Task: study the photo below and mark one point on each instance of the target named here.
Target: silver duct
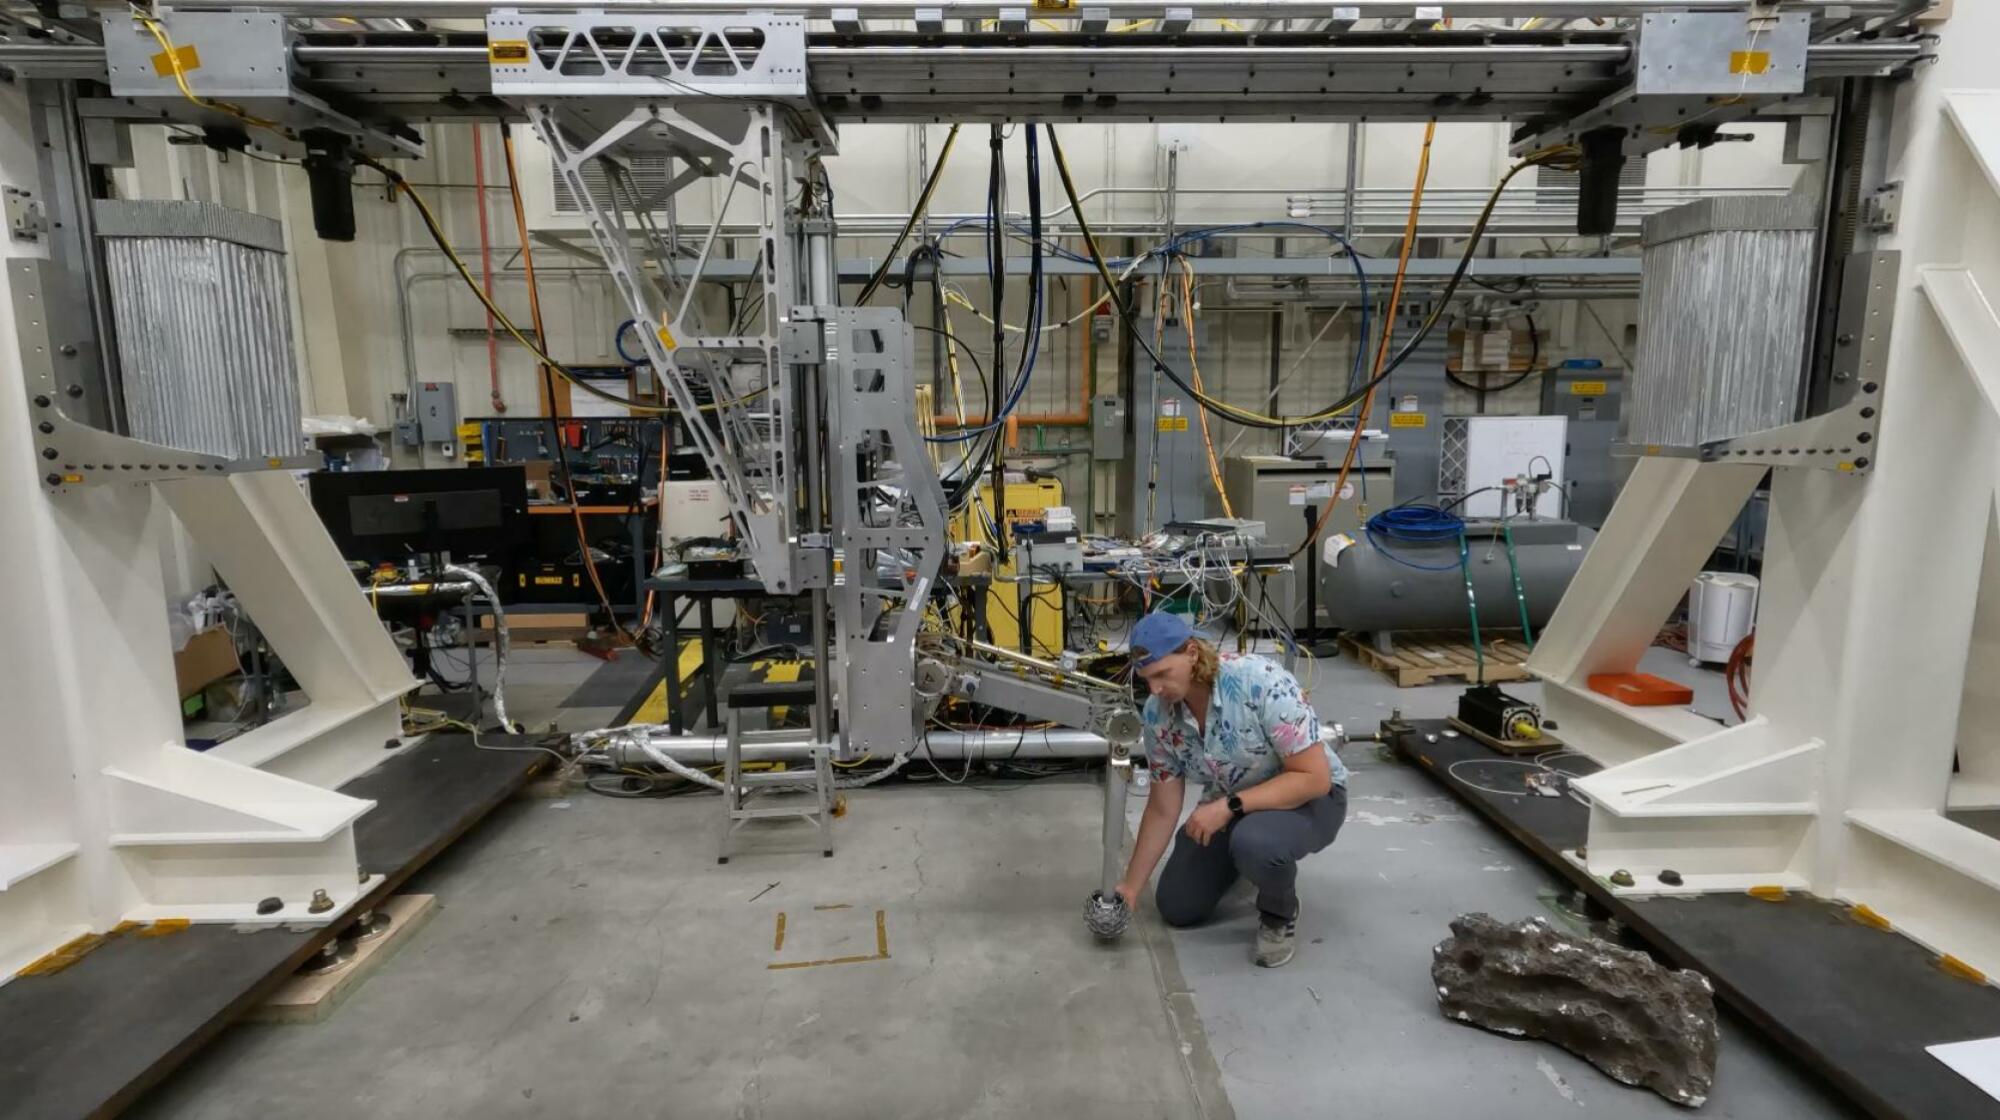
(204, 327)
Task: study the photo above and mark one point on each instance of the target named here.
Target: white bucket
(1722, 607)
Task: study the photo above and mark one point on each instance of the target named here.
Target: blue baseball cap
(1157, 635)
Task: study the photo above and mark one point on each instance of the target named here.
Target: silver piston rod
(703, 750)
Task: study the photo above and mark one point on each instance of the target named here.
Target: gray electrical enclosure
(1107, 428)
(437, 411)
(1165, 478)
(1283, 493)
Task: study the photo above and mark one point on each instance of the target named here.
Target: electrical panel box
(1107, 428)
(1166, 476)
(437, 411)
(1287, 495)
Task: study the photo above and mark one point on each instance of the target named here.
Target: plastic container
(1722, 608)
(1641, 690)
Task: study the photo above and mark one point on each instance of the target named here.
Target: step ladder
(741, 792)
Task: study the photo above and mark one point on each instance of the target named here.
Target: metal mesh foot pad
(1106, 917)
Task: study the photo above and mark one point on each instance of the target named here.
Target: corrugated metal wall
(204, 327)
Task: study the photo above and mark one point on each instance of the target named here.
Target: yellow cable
(180, 79)
(1388, 329)
(1194, 367)
(916, 213)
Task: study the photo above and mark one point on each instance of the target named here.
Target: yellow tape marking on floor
(881, 949)
(654, 710)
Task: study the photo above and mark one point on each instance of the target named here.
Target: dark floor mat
(614, 682)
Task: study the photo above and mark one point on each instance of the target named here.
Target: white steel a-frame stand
(106, 816)
(1877, 678)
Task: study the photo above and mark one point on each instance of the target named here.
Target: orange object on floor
(1641, 690)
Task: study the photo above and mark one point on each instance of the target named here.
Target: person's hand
(1208, 818)
(1130, 894)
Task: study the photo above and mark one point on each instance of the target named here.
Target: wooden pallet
(1425, 657)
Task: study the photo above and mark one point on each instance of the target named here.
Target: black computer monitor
(471, 513)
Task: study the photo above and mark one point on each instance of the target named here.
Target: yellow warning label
(184, 55)
(1408, 419)
(1749, 62)
(1586, 388)
(1173, 423)
(502, 52)
(666, 338)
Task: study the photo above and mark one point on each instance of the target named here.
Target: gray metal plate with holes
(888, 519)
(1842, 439)
(25, 219)
(233, 55)
(581, 54)
(72, 454)
(244, 58)
(1722, 53)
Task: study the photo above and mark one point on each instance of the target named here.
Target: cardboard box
(208, 657)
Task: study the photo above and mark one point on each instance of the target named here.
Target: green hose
(1471, 606)
(1520, 596)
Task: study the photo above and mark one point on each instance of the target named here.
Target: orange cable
(1388, 330)
(549, 383)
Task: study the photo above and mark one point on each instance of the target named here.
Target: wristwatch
(1235, 806)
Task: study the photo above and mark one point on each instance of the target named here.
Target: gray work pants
(1264, 847)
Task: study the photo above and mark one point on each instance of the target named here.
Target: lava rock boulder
(1620, 1010)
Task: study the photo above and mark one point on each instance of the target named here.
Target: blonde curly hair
(1206, 663)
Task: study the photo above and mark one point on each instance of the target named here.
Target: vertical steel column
(79, 309)
(1353, 180)
(823, 290)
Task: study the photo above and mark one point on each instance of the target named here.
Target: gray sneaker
(1275, 940)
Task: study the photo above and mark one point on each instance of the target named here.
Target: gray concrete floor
(590, 959)
(1352, 1022)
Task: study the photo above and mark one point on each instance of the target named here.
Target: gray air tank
(1363, 589)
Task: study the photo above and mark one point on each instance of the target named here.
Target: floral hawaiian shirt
(1255, 712)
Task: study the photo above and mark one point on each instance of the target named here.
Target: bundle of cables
(1416, 525)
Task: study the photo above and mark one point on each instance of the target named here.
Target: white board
(1502, 447)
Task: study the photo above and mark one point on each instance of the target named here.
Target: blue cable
(618, 343)
(1416, 524)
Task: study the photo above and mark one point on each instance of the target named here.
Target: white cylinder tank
(1722, 607)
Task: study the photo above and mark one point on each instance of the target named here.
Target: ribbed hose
(500, 645)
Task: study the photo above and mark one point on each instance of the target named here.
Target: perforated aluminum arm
(1037, 689)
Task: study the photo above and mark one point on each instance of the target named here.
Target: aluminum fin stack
(204, 327)
(1724, 294)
